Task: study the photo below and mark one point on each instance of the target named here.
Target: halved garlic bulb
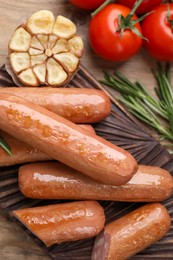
(45, 50)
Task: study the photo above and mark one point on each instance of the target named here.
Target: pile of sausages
(46, 128)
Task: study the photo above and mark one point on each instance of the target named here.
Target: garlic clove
(60, 46)
(55, 73)
(76, 45)
(64, 27)
(41, 22)
(19, 61)
(44, 40)
(68, 60)
(28, 78)
(35, 43)
(33, 51)
(40, 72)
(52, 41)
(20, 40)
(38, 59)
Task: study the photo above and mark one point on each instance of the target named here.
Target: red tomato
(158, 31)
(145, 7)
(106, 41)
(87, 4)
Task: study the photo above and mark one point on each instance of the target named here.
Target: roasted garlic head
(45, 50)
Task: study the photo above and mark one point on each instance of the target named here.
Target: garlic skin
(45, 50)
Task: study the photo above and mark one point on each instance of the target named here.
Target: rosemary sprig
(136, 90)
(165, 91)
(145, 114)
(142, 104)
(5, 146)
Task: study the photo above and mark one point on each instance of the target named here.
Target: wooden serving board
(121, 129)
(14, 242)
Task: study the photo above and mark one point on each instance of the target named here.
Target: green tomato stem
(101, 7)
(169, 17)
(125, 23)
(133, 10)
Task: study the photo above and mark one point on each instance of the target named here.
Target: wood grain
(13, 242)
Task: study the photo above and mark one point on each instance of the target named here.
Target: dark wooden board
(121, 129)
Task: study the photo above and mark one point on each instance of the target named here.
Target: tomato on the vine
(87, 4)
(145, 7)
(112, 34)
(158, 29)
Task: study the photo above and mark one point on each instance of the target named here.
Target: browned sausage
(58, 223)
(75, 104)
(53, 180)
(88, 128)
(65, 141)
(132, 233)
(23, 153)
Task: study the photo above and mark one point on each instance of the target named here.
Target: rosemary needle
(5, 146)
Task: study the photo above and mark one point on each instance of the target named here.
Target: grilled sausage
(58, 223)
(132, 233)
(23, 153)
(77, 105)
(65, 141)
(53, 180)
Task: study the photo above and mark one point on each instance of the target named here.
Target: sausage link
(59, 223)
(55, 180)
(23, 153)
(65, 141)
(132, 233)
(75, 104)
(89, 128)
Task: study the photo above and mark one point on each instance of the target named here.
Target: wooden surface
(13, 243)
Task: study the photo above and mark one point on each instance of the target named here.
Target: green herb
(144, 106)
(165, 92)
(5, 146)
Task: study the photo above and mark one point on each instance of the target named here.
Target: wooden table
(13, 242)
